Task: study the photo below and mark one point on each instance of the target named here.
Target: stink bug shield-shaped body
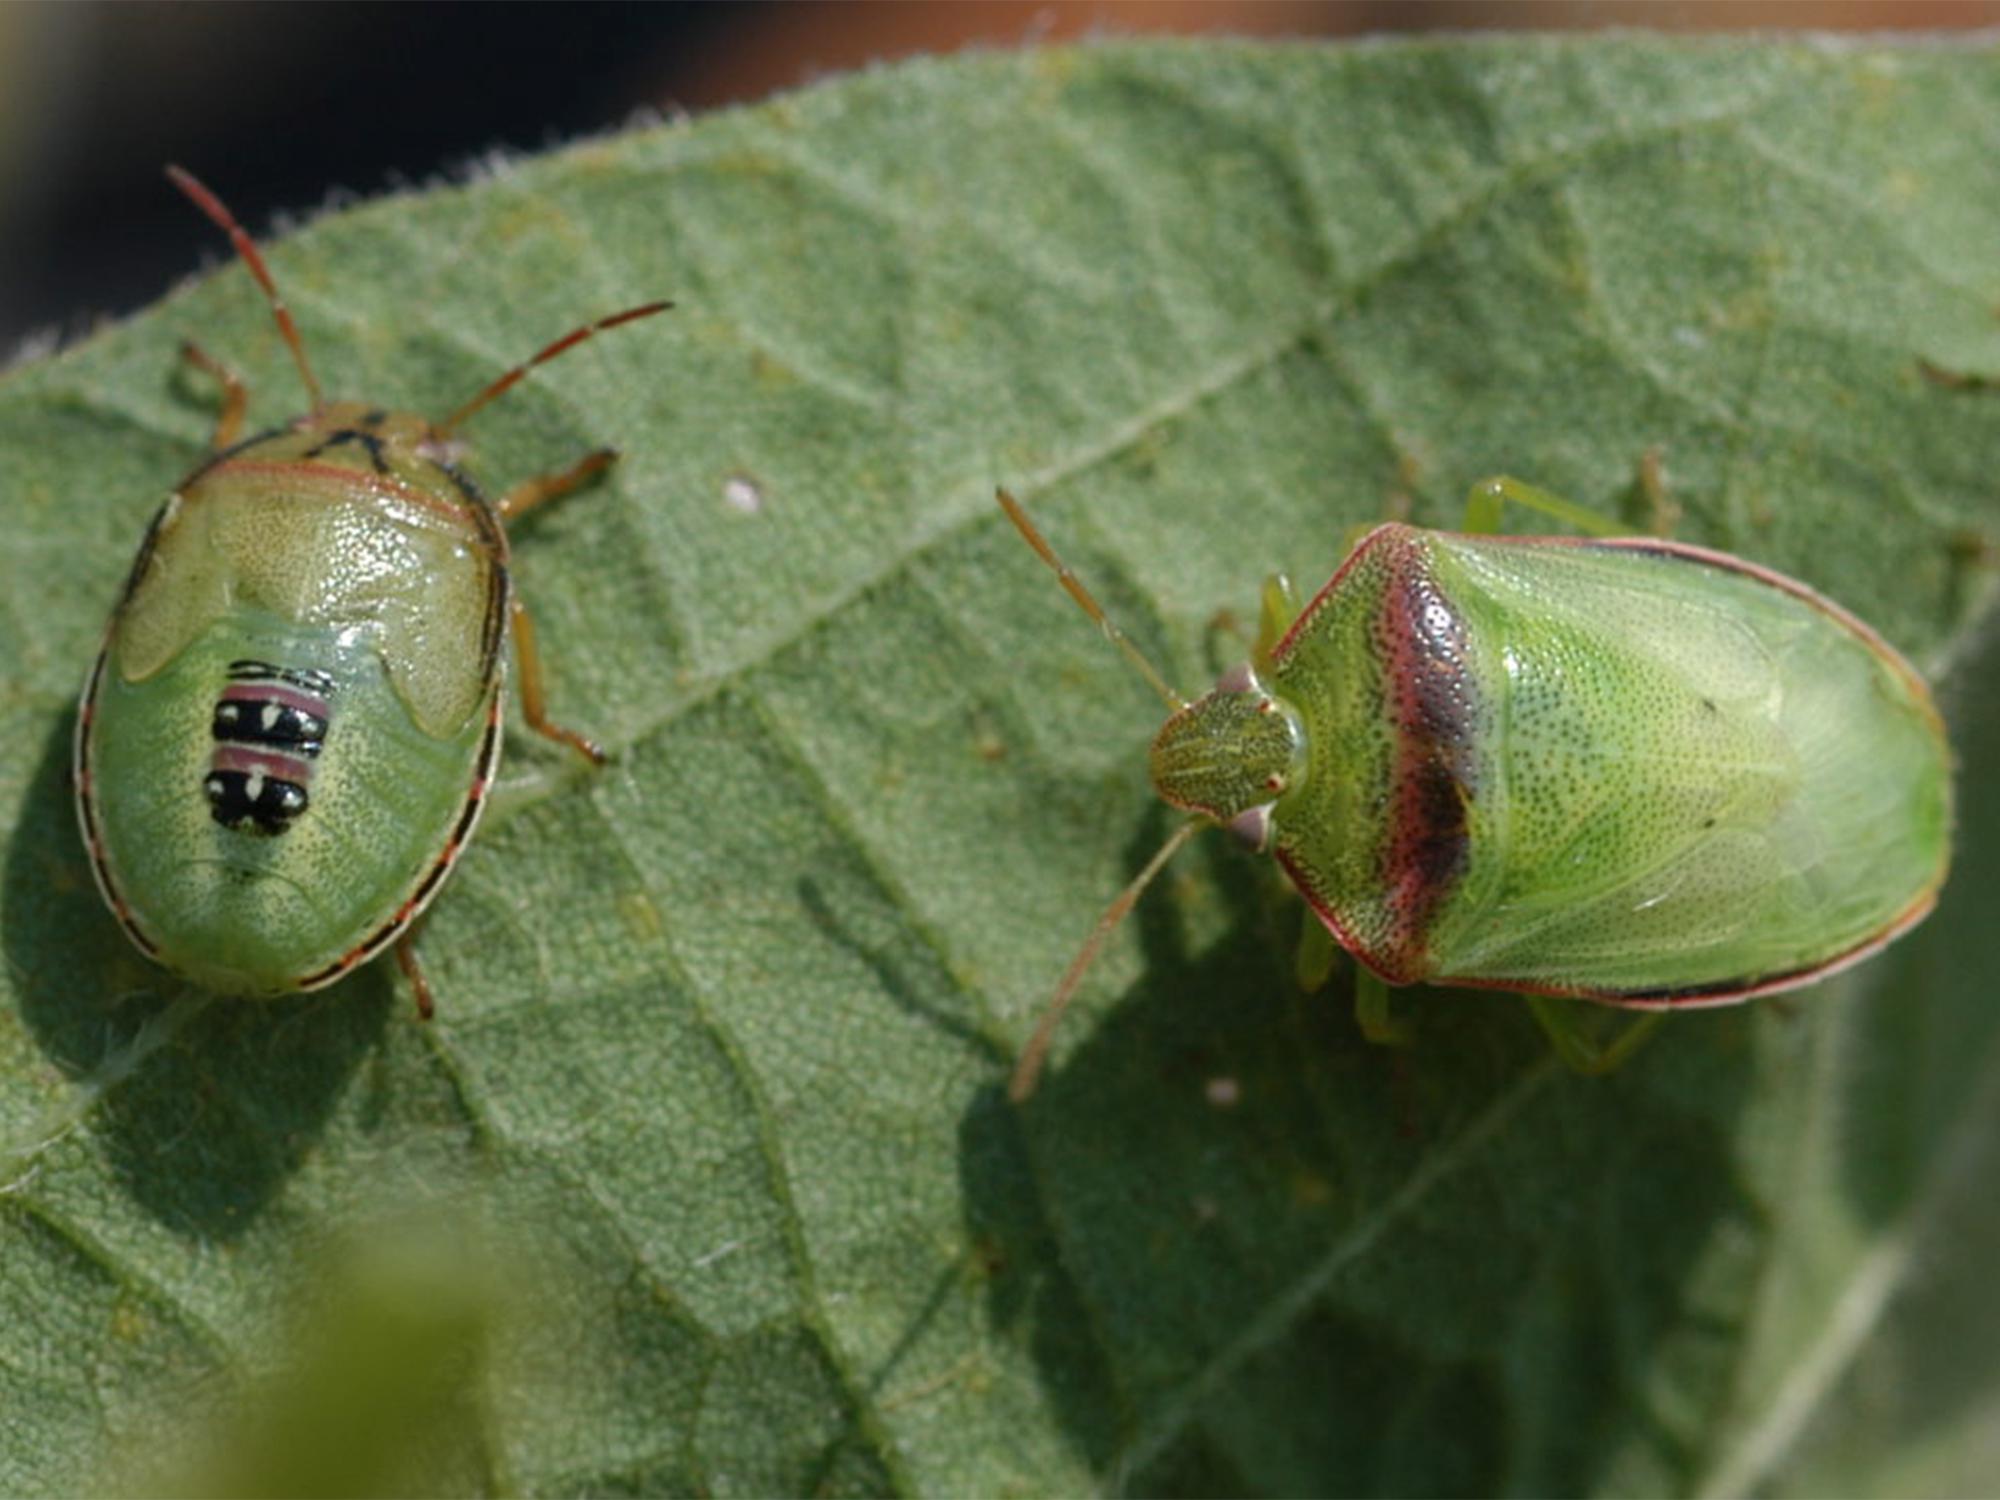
(1613, 769)
(293, 723)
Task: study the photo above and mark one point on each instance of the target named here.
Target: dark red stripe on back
(1432, 707)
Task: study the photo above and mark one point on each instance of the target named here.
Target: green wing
(1708, 776)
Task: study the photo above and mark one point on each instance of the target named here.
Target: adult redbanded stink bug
(1602, 768)
(294, 720)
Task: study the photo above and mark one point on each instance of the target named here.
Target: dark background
(281, 105)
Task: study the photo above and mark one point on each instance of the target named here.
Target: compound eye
(1251, 828)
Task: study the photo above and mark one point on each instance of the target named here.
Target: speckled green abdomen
(246, 913)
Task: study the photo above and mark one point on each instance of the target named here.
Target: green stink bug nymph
(294, 719)
(1601, 768)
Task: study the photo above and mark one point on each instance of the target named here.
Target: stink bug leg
(1489, 497)
(543, 488)
(528, 662)
(235, 395)
(219, 214)
(1372, 1014)
(1277, 607)
(1561, 1021)
(1313, 965)
(531, 493)
(517, 502)
(420, 987)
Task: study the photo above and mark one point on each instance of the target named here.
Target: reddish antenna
(1074, 586)
(561, 346)
(1028, 1067)
(246, 247)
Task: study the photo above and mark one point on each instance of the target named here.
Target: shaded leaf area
(714, 1092)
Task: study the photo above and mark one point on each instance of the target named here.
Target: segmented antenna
(1028, 1069)
(218, 211)
(561, 346)
(1074, 586)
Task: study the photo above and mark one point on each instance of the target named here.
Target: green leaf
(715, 1085)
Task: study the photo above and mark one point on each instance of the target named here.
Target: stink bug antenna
(218, 211)
(1074, 586)
(561, 346)
(1028, 1069)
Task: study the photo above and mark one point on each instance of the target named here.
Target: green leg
(1316, 953)
(1584, 1053)
(1225, 653)
(1277, 607)
(1490, 496)
(1371, 1010)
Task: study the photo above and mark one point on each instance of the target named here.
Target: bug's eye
(1274, 783)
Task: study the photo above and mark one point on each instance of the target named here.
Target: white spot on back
(227, 712)
(254, 787)
(270, 716)
(741, 494)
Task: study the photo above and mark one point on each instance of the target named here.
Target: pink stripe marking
(278, 766)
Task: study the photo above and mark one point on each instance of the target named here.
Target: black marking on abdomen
(269, 726)
(253, 802)
(310, 679)
(283, 725)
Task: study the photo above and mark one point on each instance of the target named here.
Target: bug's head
(1231, 756)
(1228, 758)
